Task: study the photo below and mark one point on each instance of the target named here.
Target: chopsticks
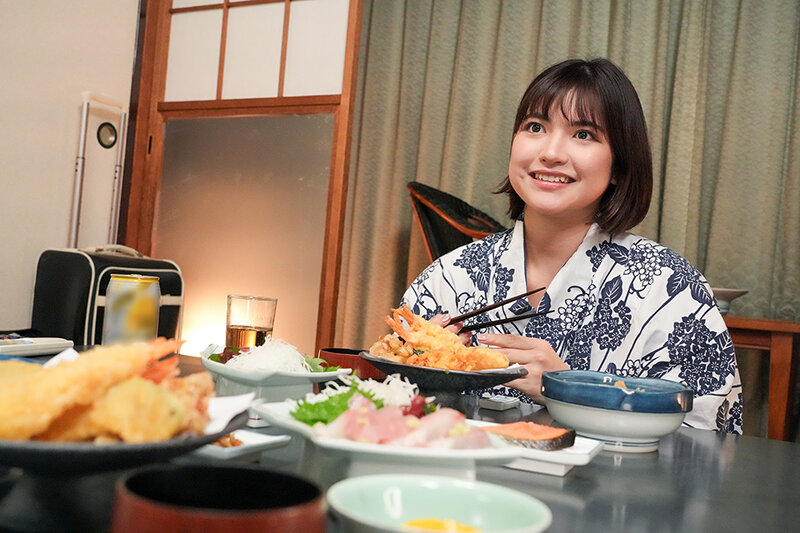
(168, 356)
(473, 327)
(471, 314)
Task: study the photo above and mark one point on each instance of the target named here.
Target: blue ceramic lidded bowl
(628, 414)
(608, 391)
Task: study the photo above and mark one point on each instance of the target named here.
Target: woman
(579, 177)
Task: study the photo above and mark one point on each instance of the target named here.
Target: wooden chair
(447, 222)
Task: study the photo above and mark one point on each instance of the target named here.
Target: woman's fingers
(510, 341)
(536, 355)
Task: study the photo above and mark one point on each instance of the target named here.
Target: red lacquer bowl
(215, 499)
(347, 358)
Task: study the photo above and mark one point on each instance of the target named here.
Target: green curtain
(439, 82)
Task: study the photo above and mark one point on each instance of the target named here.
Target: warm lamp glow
(202, 327)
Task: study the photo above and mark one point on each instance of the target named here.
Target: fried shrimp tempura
(75, 424)
(487, 358)
(32, 402)
(427, 344)
(15, 369)
(420, 333)
(138, 410)
(194, 390)
(392, 347)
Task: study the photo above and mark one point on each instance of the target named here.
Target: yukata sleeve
(424, 295)
(439, 287)
(684, 338)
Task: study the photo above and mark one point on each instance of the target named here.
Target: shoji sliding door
(239, 165)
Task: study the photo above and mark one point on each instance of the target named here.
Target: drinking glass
(250, 320)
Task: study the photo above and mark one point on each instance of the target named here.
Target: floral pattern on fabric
(621, 304)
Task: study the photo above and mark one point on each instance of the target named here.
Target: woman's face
(560, 166)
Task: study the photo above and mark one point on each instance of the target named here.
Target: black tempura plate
(68, 458)
(438, 379)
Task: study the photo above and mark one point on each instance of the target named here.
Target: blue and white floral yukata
(621, 304)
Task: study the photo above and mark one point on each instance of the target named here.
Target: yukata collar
(575, 275)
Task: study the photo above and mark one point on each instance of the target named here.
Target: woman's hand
(444, 321)
(536, 355)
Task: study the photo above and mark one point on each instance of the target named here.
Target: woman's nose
(553, 150)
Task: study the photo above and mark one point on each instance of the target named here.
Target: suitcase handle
(115, 248)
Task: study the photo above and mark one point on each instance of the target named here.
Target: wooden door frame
(149, 114)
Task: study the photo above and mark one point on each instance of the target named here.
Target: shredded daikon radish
(274, 354)
(394, 390)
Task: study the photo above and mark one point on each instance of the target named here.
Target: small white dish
(252, 443)
(725, 296)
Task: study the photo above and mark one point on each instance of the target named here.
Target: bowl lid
(609, 391)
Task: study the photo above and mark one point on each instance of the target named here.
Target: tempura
(426, 344)
(108, 394)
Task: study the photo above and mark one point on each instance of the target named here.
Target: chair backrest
(447, 222)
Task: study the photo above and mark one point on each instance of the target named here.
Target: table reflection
(697, 481)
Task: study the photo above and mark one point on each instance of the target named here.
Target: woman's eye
(585, 135)
(533, 127)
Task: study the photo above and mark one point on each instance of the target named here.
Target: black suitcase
(70, 290)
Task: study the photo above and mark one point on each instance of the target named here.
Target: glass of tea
(250, 320)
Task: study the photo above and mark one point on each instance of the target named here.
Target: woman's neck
(549, 244)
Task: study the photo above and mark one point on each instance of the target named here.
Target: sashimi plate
(499, 452)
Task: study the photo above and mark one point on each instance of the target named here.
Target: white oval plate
(499, 452)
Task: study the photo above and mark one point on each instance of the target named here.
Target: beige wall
(51, 52)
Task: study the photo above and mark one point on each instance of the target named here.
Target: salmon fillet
(532, 435)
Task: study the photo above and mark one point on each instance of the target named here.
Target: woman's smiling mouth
(551, 179)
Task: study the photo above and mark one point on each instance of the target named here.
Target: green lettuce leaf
(329, 410)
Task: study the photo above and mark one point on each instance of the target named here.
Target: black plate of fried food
(439, 379)
(68, 458)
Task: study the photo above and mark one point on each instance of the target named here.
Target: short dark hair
(602, 93)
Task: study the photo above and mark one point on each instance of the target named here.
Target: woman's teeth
(551, 179)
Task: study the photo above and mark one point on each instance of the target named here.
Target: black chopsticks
(481, 325)
(471, 314)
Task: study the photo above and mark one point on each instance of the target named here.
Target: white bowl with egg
(401, 502)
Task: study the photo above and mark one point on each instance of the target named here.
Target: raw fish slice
(474, 438)
(436, 425)
(363, 422)
(380, 426)
(338, 428)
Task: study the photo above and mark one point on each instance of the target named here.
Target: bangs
(577, 102)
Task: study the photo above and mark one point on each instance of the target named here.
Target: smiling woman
(615, 302)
